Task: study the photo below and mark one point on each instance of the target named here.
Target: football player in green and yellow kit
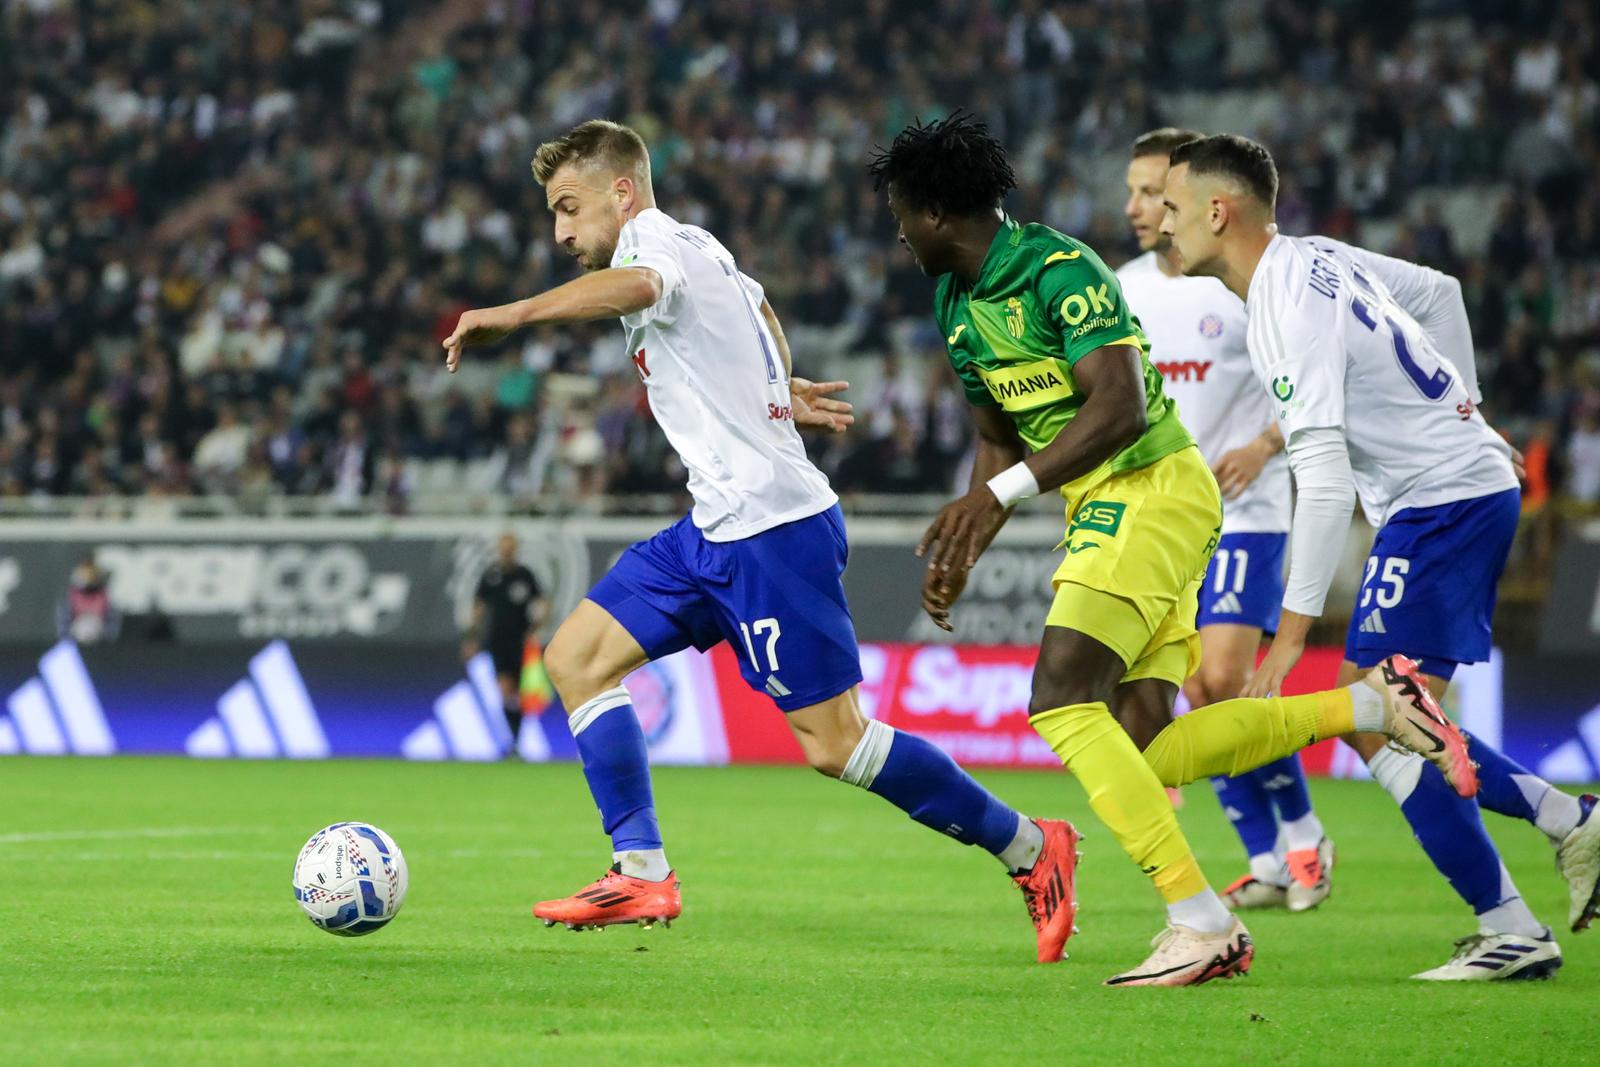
(1065, 397)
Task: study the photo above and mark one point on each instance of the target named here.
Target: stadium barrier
(313, 700)
(260, 639)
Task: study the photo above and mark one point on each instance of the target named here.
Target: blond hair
(600, 143)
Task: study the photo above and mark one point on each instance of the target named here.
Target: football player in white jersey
(1374, 409)
(756, 563)
(1197, 340)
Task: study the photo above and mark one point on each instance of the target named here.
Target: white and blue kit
(1196, 329)
(758, 560)
(1369, 362)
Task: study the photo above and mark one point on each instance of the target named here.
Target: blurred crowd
(372, 160)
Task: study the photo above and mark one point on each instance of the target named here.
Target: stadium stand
(231, 236)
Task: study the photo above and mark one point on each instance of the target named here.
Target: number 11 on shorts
(773, 631)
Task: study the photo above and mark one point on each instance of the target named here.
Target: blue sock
(617, 765)
(1498, 788)
(1285, 782)
(1247, 804)
(1447, 826)
(921, 780)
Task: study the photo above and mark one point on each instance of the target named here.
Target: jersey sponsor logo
(780, 413)
(1188, 370)
(952, 338)
(1373, 623)
(1058, 257)
(1028, 386)
(1211, 326)
(1282, 388)
(641, 365)
(1465, 409)
(1016, 325)
(1101, 516)
(1095, 298)
(1082, 547)
(628, 259)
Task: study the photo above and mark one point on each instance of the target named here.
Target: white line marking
(137, 831)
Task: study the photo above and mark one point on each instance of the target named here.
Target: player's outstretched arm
(813, 408)
(605, 294)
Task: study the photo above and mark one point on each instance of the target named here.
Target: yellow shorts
(1137, 548)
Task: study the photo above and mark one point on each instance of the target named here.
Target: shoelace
(1466, 946)
(1035, 900)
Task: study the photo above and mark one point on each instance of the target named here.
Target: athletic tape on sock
(592, 709)
(1398, 772)
(868, 758)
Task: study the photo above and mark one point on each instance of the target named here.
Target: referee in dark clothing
(506, 608)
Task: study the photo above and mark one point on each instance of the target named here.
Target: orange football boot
(615, 899)
(1047, 887)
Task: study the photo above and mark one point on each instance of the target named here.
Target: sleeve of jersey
(1083, 299)
(1434, 299)
(1299, 359)
(1324, 498)
(639, 247)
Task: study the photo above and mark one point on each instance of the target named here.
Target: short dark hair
(1162, 142)
(612, 145)
(1234, 157)
(953, 165)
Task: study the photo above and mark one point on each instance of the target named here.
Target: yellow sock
(1240, 735)
(1124, 793)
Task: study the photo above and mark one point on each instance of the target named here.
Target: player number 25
(1391, 587)
(773, 633)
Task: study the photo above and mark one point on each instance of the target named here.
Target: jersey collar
(1005, 240)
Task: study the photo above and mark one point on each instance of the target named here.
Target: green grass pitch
(145, 917)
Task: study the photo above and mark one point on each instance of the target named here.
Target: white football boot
(1491, 957)
(1578, 860)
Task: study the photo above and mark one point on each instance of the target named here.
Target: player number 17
(773, 632)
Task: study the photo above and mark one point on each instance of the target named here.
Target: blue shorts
(1244, 582)
(1429, 588)
(776, 597)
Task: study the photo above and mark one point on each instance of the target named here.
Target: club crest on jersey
(1015, 324)
(1211, 326)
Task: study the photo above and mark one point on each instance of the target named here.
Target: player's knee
(1050, 693)
(576, 677)
(1219, 681)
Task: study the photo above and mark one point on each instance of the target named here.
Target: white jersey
(1336, 349)
(716, 382)
(1196, 330)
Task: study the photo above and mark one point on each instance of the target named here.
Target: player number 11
(773, 633)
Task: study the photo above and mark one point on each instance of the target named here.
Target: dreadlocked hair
(952, 165)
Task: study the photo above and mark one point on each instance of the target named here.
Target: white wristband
(1013, 484)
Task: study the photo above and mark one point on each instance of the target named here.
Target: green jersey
(1042, 302)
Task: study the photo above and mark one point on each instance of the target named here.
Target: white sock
(1024, 848)
(1512, 917)
(647, 863)
(1368, 704)
(1203, 912)
(1270, 869)
(1304, 832)
(1555, 812)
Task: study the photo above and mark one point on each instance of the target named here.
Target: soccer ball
(350, 878)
